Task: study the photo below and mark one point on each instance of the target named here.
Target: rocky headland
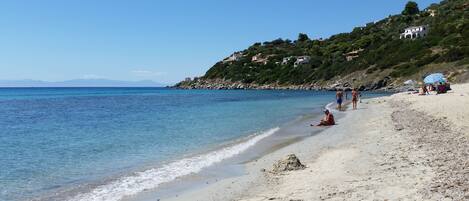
(220, 84)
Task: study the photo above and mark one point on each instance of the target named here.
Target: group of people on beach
(328, 119)
(339, 95)
(440, 88)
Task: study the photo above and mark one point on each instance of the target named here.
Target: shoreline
(206, 184)
(375, 152)
(245, 165)
(233, 167)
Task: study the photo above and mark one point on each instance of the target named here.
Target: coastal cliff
(381, 55)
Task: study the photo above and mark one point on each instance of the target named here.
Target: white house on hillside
(431, 12)
(301, 60)
(415, 32)
(234, 57)
(259, 58)
(285, 60)
(256, 57)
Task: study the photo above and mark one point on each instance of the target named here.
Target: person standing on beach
(339, 95)
(355, 95)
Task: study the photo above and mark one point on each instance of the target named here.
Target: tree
(411, 8)
(302, 37)
(277, 41)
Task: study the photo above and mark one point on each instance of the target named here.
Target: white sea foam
(330, 107)
(149, 179)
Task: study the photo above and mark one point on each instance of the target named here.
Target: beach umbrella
(433, 78)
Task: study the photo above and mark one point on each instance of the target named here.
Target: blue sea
(108, 143)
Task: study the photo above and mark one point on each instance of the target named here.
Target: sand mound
(291, 162)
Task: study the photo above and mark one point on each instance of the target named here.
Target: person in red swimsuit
(355, 95)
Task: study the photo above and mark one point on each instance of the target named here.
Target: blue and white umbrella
(434, 78)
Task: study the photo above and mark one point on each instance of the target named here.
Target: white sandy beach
(402, 147)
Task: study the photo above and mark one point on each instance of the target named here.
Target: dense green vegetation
(411, 8)
(447, 41)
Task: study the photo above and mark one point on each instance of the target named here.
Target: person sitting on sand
(423, 91)
(354, 98)
(339, 95)
(430, 88)
(441, 88)
(328, 119)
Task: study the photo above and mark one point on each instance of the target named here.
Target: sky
(160, 40)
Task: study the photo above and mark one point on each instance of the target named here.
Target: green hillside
(376, 53)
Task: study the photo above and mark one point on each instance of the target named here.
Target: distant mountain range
(80, 83)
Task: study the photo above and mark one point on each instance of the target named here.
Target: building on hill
(259, 58)
(233, 57)
(256, 57)
(285, 60)
(302, 60)
(299, 60)
(431, 12)
(415, 32)
(349, 56)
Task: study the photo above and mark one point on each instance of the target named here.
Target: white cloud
(146, 73)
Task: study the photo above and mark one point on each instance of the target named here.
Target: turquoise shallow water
(124, 140)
